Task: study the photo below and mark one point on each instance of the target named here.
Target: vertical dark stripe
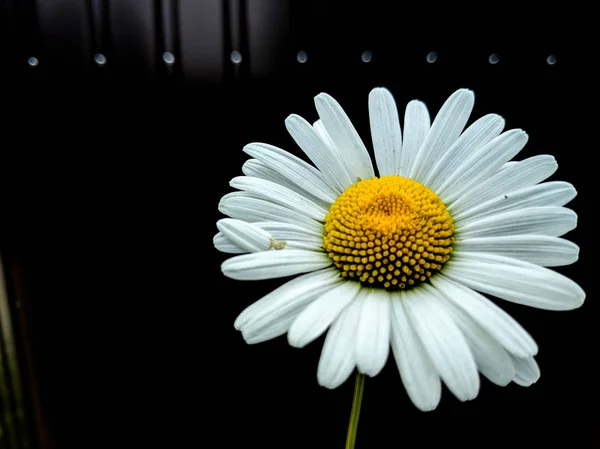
(235, 38)
(201, 23)
(27, 39)
(158, 37)
(168, 35)
(99, 16)
(28, 26)
(100, 36)
(244, 46)
(227, 40)
(8, 38)
(65, 31)
(175, 35)
(96, 24)
(169, 25)
(268, 38)
(132, 25)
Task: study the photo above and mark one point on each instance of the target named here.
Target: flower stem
(359, 387)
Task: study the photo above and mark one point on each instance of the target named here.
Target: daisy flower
(399, 254)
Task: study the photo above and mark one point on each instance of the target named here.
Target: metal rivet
(431, 57)
(301, 57)
(494, 58)
(551, 60)
(33, 61)
(100, 59)
(168, 57)
(236, 57)
(366, 56)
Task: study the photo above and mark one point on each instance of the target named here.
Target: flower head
(401, 259)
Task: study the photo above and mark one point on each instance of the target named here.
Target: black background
(111, 178)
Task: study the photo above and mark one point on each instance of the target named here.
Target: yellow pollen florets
(389, 232)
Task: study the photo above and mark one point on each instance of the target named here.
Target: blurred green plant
(14, 433)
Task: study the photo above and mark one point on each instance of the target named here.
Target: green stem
(359, 387)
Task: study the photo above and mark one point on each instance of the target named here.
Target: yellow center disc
(389, 232)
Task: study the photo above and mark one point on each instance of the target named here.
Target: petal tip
(581, 299)
(290, 118)
(248, 147)
(427, 407)
(293, 339)
(237, 324)
(326, 383)
(380, 90)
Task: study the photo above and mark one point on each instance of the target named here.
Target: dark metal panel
(167, 24)
(134, 39)
(201, 33)
(64, 26)
(268, 31)
(100, 29)
(100, 25)
(20, 40)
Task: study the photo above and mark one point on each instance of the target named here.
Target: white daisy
(400, 258)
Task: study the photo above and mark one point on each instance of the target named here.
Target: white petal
(316, 318)
(322, 132)
(416, 127)
(527, 371)
(245, 235)
(418, 374)
(261, 188)
(319, 153)
(510, 178)
(556, 193)
(300, 286)
(273, 313)
(225, 245)
(274, 329)
(475, 136)
(296, 244)
(242, 237)
(274, 264)
(326, 139)
(337, 357)
(483, 163)
(373, 333)
(257, 169)
(552, 221)
(496, 321)
(244, 206)
(491, 358)
(289, 231)
(344, 136)
(292, 235)
(444, 342)
(294, 169)
(538, 249)
(445, 129)
(515, 281)
(385, 131)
